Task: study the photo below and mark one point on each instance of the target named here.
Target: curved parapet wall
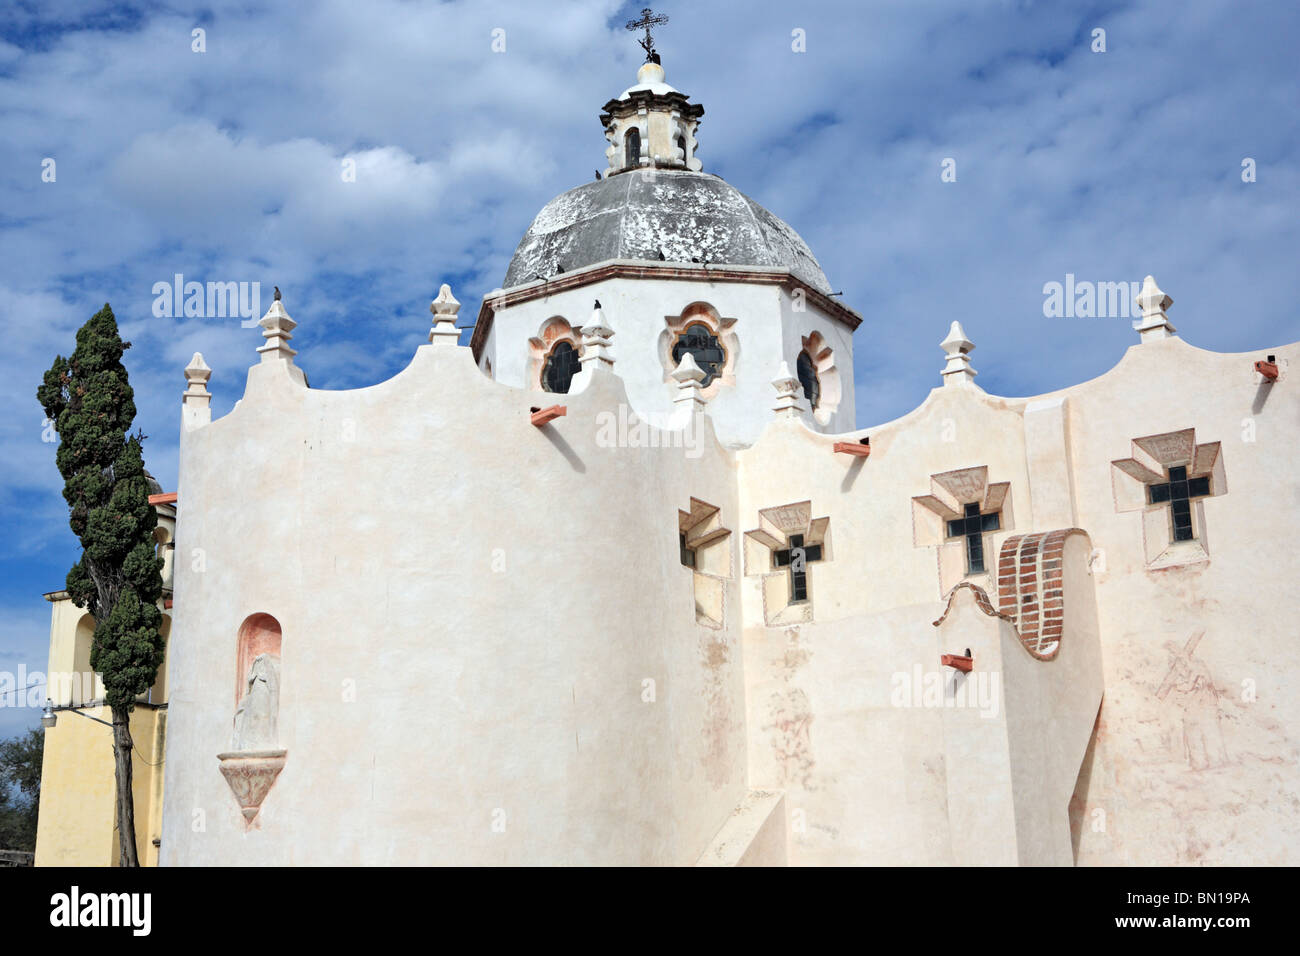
(982, 601)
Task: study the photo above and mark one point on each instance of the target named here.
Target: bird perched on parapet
(598, 303)
(598, 175)
(277, 293)
(662, 258)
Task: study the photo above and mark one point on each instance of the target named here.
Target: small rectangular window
(687, 554)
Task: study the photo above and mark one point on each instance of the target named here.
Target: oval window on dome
(807, 372)
(698, 339)
(561, 365)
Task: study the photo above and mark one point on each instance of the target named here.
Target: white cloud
(225, 166)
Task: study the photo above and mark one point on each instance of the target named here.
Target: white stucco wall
(769, 328)
(367, 522)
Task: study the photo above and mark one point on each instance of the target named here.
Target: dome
(664, 215)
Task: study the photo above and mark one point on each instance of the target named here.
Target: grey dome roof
(685, 215)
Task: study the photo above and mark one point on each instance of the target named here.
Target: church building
(624, 582)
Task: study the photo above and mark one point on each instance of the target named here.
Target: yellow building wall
(77, 825)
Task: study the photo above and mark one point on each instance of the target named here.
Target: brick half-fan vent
(1030, 588)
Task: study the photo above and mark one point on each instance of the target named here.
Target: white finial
(690, 383)
(444, 309)
(1154, 323)
(197, 374)
(277, 328)
(788, 404)
(196, 400)
(957, 347)
(596, 336)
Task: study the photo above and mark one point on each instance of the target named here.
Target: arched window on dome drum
(560, 367)
(702, 344)
(681, 144)
(812, 386)
(632, 148)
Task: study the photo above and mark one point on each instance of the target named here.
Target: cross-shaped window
(796, 558)
(1179, 492)
(972, 526)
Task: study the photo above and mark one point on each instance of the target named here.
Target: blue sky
(224, 166)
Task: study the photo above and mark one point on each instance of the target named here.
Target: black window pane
(798, 587)
(1178, 490)
(991, 522)
(781, 558)
(704, 348)
(808, 379)
(1197, 487)
(1178, 473)
(1158, 493)
(813, 552)
(975, 554)
(956, 528)
(796, 541)
(561, 365)
(972, 509)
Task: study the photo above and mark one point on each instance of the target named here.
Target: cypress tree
(119, 577)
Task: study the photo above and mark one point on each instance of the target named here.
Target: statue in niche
(255, 718)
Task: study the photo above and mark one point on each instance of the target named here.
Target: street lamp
(49, 718)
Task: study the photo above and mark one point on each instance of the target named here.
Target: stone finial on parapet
(787, 388)
(689, 378)
(957, 347)
(277, 330)
(1154, 323)
(444, 309)
(196, 399)
(596, 336)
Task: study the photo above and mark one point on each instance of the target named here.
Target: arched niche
(165, 548)
(86, 685)
(157, 694)
(259, 634)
